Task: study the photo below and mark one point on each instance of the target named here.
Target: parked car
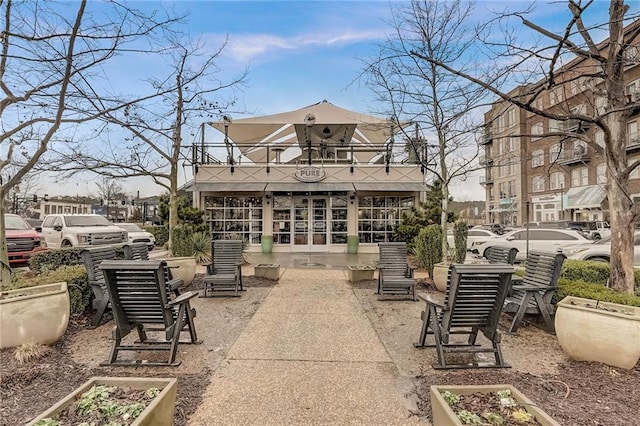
(601, 251)
(474, 235)
(138, 235)
(539, 239)
(22, 239)
(69, 230)
(35, 223)
(590, 229)
(496, 228)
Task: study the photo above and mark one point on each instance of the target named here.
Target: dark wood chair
(473, 303)
(395, 276)
(141, 301)
(533, 293)
(498, 254)
(92, 257)
(136, 251)
(224, 274)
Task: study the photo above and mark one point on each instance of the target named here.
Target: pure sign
(310, 174)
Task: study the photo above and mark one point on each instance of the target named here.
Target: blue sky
(299, 53)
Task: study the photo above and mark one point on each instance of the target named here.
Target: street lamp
(309, 121)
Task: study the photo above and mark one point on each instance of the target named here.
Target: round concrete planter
(440, 271)
(159, 412)
(37, 314)
(589, 330)
(183, 267)
(444, 415)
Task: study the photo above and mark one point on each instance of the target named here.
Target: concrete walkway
(308, 356)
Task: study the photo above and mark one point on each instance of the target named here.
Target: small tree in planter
(428, 247)
(460, 232)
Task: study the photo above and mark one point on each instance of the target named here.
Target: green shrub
(182, 236)
(80, 292)
(427, 247)
(460, 232)
(52, 259)
(201, 243)
(587, 290)
(592, 272)
(161, 233)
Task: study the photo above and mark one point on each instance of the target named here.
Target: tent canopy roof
(320, 125)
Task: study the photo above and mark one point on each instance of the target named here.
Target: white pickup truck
(81, 230)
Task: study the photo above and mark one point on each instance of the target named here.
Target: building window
(378, 215)
(599, 138)
(555, 126)
(338, 220)
(537, 158)
(537, 129)
(47, 209)
(600, 104)
(556, 96)
(512, 189)
(556, 180)
(633, 137)
(511, 116)
(235, 217)
(555, 153)
(502, 190)
(580, 177)
(601, 173)
(537, 184)
(513, 144)
(512, 168)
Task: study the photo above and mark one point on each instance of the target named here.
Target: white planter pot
(604, 332)
(183, 267)
(440, 271)
(158, 413)
(37, 314)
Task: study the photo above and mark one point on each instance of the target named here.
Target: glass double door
(310, 223)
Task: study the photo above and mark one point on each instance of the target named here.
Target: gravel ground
(573, 393)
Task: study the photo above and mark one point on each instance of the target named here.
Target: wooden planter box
(589, 330)
(444, 415)
(360, 273)
(38, 314)
(267, 270)
(158, 413)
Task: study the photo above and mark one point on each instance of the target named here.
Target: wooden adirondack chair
(224, 275)
(136, 251)
(395, 277)
(473, 303)
(141, 301)
(92, 257)
(533, 293)
(499, 254)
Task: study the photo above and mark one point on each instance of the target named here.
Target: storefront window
(378, 215)
(234, 218)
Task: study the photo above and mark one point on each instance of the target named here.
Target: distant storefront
(320, 178)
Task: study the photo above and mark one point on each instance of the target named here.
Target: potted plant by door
(38, 314)
(499, 404)
(136, 401)
(592, 330)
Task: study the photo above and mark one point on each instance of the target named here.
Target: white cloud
(243, 48)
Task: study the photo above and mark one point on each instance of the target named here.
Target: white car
(80, 230)
(550, 240)
(601, 251)
(138, 235)
(474, 235)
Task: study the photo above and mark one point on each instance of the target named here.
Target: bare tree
(440, 104)
(156, 129)
(49, 60)
(601, 68)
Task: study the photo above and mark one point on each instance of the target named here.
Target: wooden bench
(473, 302)
(498, 254)
(533, 293)
(395, 277)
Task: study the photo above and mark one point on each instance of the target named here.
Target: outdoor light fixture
(309, 121)
(227, 122)
(326, 130)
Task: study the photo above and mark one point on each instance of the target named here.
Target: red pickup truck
(22, 239)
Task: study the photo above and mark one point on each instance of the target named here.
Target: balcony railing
(488, 136)
(484, 160)
(575, 126)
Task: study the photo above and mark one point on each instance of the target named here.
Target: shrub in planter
(201, 243)
(460, 232)
(52, 259)
(587, 290)
(428, 247)
(182, 236)
(160, 232)
(75, 276)
(592, 272)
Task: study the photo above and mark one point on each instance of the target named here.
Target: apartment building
(540, 169)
